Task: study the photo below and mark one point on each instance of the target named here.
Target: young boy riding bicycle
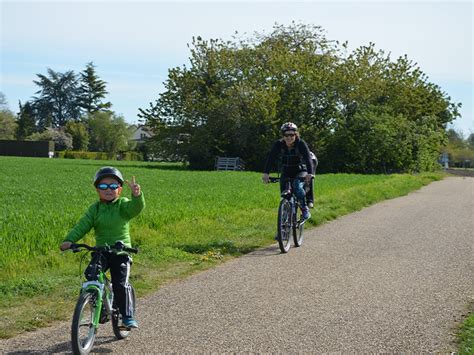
(110, 218)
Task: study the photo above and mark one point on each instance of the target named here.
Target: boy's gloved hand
(134, 187)
(65, 246)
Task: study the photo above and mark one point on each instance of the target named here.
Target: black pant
(119, 266)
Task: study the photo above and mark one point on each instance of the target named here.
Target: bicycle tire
(298, 229)
(82, 320)
(121, 332)
(284, 226)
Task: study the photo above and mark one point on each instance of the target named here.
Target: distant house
(140, 134)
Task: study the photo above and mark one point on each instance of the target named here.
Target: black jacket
(292, 161)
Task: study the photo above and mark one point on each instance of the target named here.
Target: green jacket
(109, 220)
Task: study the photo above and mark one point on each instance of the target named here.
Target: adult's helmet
(108, 171)
(288, 126)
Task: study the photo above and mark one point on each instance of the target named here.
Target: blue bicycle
(290, 220)
(96, 302)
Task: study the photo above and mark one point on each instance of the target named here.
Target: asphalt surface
(460, 172)
(394, 277)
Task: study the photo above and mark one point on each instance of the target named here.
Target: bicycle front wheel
(83, 330)
(284, 225)
(120, 331)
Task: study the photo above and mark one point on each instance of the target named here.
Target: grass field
(192, 221)
(466, 333)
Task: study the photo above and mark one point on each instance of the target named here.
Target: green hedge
(68, 154)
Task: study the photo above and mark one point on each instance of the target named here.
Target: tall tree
(80, 135)
(459, 149)
(234, 96)
(108, 133)
(470, 141)
(58, 100)
(92, 90)
(455, 138)
(369, 82)
(7, 120)
(26, 121)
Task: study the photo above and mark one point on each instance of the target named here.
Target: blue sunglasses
(104, 186)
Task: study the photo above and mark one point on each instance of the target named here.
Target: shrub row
(68, 154)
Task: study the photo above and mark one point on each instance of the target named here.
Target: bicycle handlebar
(119, 246)
(277, 179)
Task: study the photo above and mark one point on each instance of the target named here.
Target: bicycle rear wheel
(82, 330)
(298, 228)
(284, 225)
(120, 331)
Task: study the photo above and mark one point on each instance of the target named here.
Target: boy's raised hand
(134, 187)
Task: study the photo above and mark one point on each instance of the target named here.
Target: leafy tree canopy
(460, 150)
(67, 110)
(108, 133)
(8, 124)
(79, 134)
(64, 97)
(92, 90)
(26, 121)
(360, 111)
(58, 99)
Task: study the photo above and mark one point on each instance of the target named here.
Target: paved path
(394, 277)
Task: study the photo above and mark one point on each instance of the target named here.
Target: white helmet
(288, 126)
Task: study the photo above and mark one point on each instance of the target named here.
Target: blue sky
(134, 43)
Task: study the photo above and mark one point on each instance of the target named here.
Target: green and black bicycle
(96, 305)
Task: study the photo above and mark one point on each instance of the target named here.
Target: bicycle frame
(99, 288)
(289, 195)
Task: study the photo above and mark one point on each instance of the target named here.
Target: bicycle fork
(96, 288)
(294, 209)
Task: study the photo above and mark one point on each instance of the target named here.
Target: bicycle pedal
(124, 328)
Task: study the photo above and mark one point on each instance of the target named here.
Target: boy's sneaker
(310, 204)
(129, 322)
(306, 213)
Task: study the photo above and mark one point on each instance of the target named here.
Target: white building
(140, 133)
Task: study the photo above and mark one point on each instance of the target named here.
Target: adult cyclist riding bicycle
(295, 162)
